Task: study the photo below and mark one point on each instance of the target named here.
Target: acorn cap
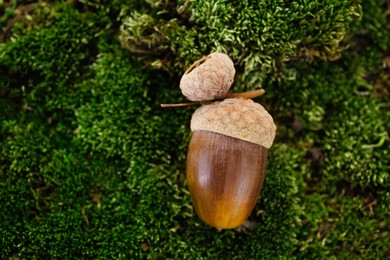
(239, 118)
(208, 78)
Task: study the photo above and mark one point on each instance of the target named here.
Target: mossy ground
(92, 167)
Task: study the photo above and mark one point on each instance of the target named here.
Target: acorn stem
(247, 95)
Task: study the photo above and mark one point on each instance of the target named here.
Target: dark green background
(92, 167)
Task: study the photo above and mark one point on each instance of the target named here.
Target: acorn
(231, 135)
(208, 78)
(227, 158)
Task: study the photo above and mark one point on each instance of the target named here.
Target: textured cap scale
(208, 78)
(239, 118)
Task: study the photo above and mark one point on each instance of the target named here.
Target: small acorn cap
(208, 78)
(239, 118)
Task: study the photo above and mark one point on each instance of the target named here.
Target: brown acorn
(227, 159)
(227, 154)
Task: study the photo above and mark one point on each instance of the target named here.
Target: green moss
(336, 112)
(348, 227)
(260, 36)
(47, 61)
(342, 120)
(92, 167)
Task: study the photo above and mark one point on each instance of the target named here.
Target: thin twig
(247, 95)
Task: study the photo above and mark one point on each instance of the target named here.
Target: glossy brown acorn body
(225, 176)
(228, 150)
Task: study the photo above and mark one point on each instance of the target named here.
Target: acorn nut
(208, 78)
(227, 159)
(227, 154)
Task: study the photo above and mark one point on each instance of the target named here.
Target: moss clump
(260, 36)
(92, 167)
(342, 128)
